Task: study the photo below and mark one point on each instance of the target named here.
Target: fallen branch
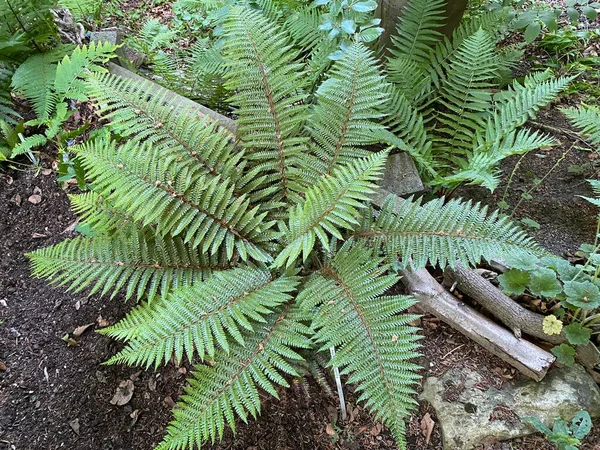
(433, 298)
(510, 313)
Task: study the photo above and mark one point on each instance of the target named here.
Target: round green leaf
(582, 294)
(532, 32)
(577, 335)
(573, 14)
(589, 12)
(565, 354)
(544, 283)
(514, 281)
(365, 6)
(348, 26)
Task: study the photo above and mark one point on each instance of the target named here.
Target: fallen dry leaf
(135, 376)
(427, 425)
(3, 303)
(46, 172)
(70, 228)
(77, 305)
(123, 393)
(102, 322)
(152, 384)
(81, 329)
(376, 429)
(74, 424)
(2, 366)
(9, 180)
(35, 199)
(134, 416)
(38, 236)
(168, 402)
(329, 430)
(18, 200)
(100, 376)
(37, 191)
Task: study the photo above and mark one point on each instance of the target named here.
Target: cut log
(510, 313)
(528, 358)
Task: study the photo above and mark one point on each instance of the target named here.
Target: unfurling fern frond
(269, 93)
(374, 345)
(229, 387)
(139, 262)
(439, 233)
(201, 317)
(330, 206)
(343, 118)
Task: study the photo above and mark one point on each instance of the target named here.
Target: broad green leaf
(367, 6)
(577, 335)
(565, 354)
(544, 283)
(532, 32)
(514, 281)
(582, 294)
(581, 424)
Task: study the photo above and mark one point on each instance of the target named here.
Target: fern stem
(338, 383)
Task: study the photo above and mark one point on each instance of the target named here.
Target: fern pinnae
(198, 318)
(270, 98)
(178, 196)
(330, 206)
(374, 345)
(229, 386)
(439, 233)
(343, 118)
(139, 262)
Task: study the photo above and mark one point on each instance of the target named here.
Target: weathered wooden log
(433, 298)
(510, 313)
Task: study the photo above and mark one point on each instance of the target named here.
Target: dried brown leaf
(35, 199)
(123, 393)
(427, 425)
(81, 329)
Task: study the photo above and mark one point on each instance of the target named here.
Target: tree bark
(389, 12)
(510, 313)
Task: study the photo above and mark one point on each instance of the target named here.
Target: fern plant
(248, 253)
(48, 80)
(447, 109)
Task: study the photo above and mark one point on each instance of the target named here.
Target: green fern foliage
(343, 118)
(249, 251)
(374, 344)
(197, 318)
(438, 233)
(137, 262)
(587, 119)
(230, 385)
(444, 108)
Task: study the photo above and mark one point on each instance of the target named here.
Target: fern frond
(178, 196)
(303, 26)
(28, 144)
(374, 344)
(417, 31)
(439, 233)
(200, 317)
(82, 60)
(231, 386)
(268, 88)
(344, 116)
(587, 119)
(330, 206)
(465, 91)
(98, 214)
(139, 262)
(407, 131)
(34, 80)
(160, 121)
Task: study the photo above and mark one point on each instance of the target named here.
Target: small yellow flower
(552, 325)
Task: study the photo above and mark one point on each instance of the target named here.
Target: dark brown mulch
(57, 396)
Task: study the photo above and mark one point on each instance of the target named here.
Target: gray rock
(400, 178)
(464, 411)
(127, 56)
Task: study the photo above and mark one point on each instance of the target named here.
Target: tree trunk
(390, 10)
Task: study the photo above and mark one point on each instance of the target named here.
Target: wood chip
(17, 200)
(74, 424)
(81, 329)
(35, 199)
(329, 430)
(9, 180)
(46, 172)
(102, 322)
(2, 366)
